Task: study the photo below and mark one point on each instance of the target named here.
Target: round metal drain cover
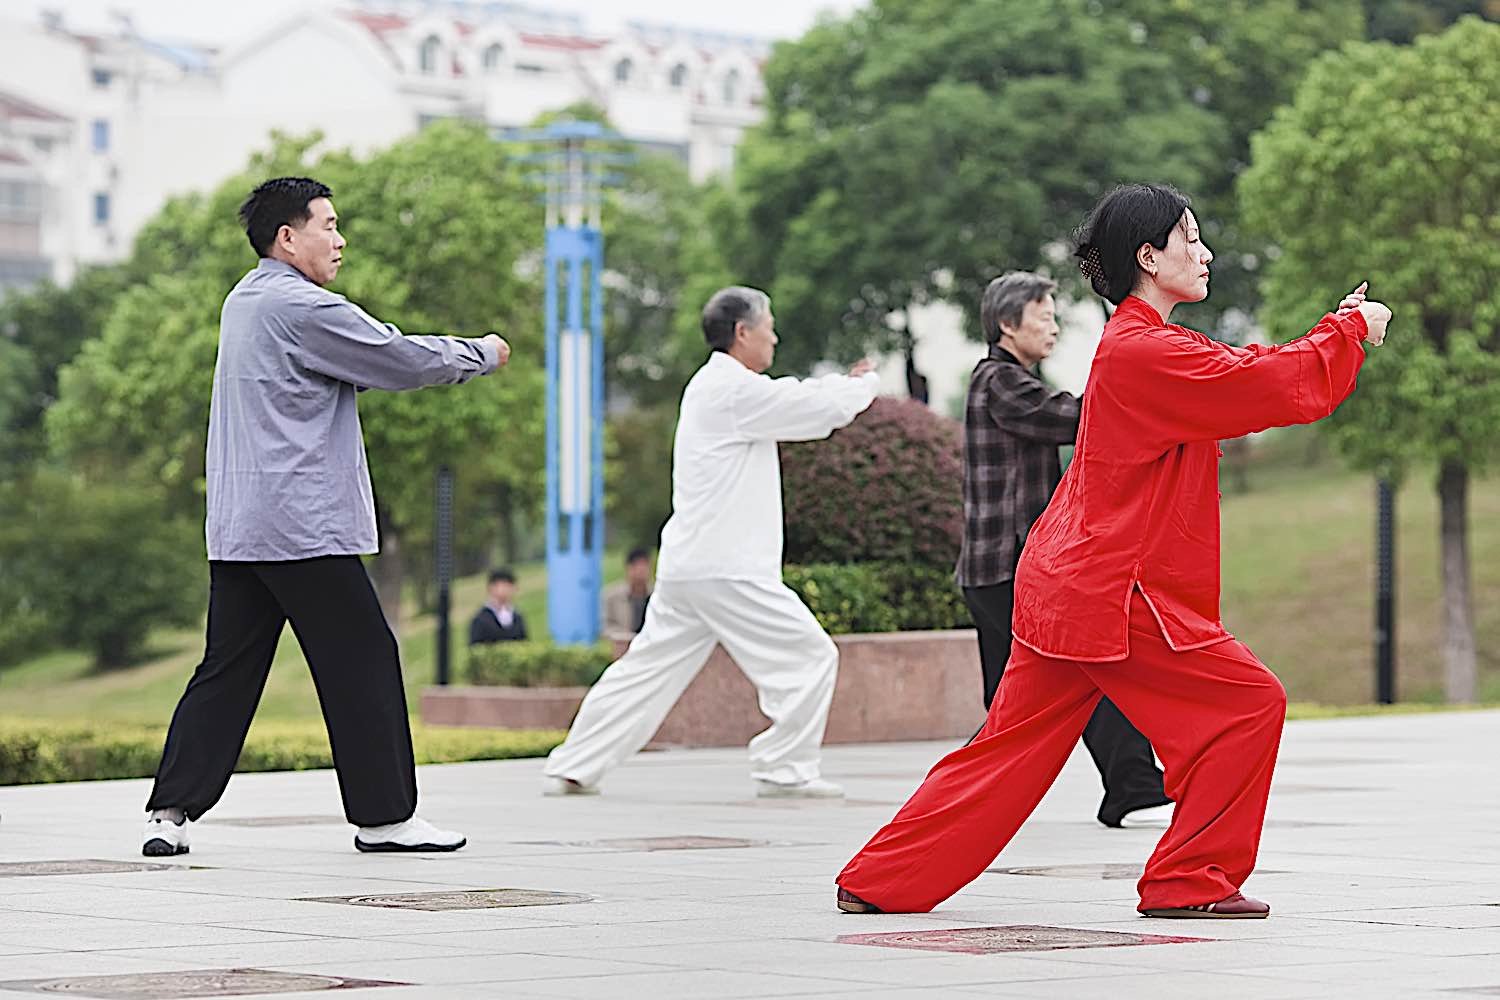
(463, 899)
(1022, 937)
(82, 866)
(203, 983)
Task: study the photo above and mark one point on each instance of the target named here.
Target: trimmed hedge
(34, 751)
(879, 597)
(886, 488)
(537, 663)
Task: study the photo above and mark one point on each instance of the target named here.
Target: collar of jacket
(998, 353)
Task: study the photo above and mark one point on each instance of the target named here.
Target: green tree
(916, 149)
(1405, 20)
(40, 330)
(1242, 60)
(1387, 167)
(136, 396)
(96, 565)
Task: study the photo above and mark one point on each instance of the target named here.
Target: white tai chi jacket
(726, 519)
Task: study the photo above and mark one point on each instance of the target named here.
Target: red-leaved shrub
(887, 488)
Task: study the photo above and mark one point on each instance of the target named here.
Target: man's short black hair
(635, 555)
(280, 201)
(503, 573)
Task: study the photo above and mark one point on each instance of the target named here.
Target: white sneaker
(164, 839)
(816, 788)
(1154, 817)
(566, 786)
(416, 834)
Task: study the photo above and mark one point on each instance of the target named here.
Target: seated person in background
(498, 620)
(625, 601)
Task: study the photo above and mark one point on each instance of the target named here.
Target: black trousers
(356, 669)
(1124, 758)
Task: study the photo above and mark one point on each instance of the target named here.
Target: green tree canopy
(1387, 167)
(920, 147)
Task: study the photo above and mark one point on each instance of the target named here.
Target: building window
(101, 208)
(102, 78)
(20, 200)
(732, 87)
(623, 71)
(101, 136)
(678, 77)
(492, 56)
(427, 55)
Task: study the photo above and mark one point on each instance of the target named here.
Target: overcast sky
(217, 22)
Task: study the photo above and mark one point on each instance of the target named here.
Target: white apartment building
(98, 130)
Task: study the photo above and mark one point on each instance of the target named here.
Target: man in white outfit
(719, 569)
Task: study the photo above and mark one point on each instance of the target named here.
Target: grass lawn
(63, 685)
(1299, 576)
(1298, 588)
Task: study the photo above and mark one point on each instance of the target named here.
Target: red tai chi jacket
(1139, 505)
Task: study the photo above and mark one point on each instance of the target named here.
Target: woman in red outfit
(1117, 592)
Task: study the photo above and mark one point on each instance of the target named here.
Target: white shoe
(164, 839)
(566, 786)
(816, 788)
(1154, 817)
(416, 834)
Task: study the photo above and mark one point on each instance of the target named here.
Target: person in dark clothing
(1014, 423)
(498, 620)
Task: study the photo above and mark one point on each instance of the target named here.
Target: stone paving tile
(694, 984)
(521, 968)
(284, 953)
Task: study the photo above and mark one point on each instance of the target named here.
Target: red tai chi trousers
(1213, 714)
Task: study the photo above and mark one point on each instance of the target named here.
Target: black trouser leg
(208, 728)
(356, 667)
(1125, 761)
(990, 608)
(1124, 758)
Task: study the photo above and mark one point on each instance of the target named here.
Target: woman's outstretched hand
(1376, 314)
(1353, 300)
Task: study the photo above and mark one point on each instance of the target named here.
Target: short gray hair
(728, 306)
(1006, 297)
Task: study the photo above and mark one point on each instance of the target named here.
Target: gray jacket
(286, 468)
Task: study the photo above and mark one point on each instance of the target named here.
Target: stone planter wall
(892, 686)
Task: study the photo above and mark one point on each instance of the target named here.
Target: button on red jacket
(1139, 505)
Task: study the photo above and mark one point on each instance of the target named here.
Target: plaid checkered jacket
(1013, 425)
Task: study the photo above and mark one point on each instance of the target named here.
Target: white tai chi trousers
(773, 638)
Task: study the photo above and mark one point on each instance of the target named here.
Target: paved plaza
(1381, 859)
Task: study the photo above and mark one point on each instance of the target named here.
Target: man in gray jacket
(290, 511)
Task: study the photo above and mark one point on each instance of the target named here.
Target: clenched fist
(1376, 315)
(502, 349)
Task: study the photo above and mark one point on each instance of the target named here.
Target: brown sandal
(850, 903)
(1236, 907)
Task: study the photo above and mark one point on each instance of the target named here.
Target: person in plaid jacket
(1013, 425)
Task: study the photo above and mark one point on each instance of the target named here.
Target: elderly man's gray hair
(728, 306)
(1006, 297)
